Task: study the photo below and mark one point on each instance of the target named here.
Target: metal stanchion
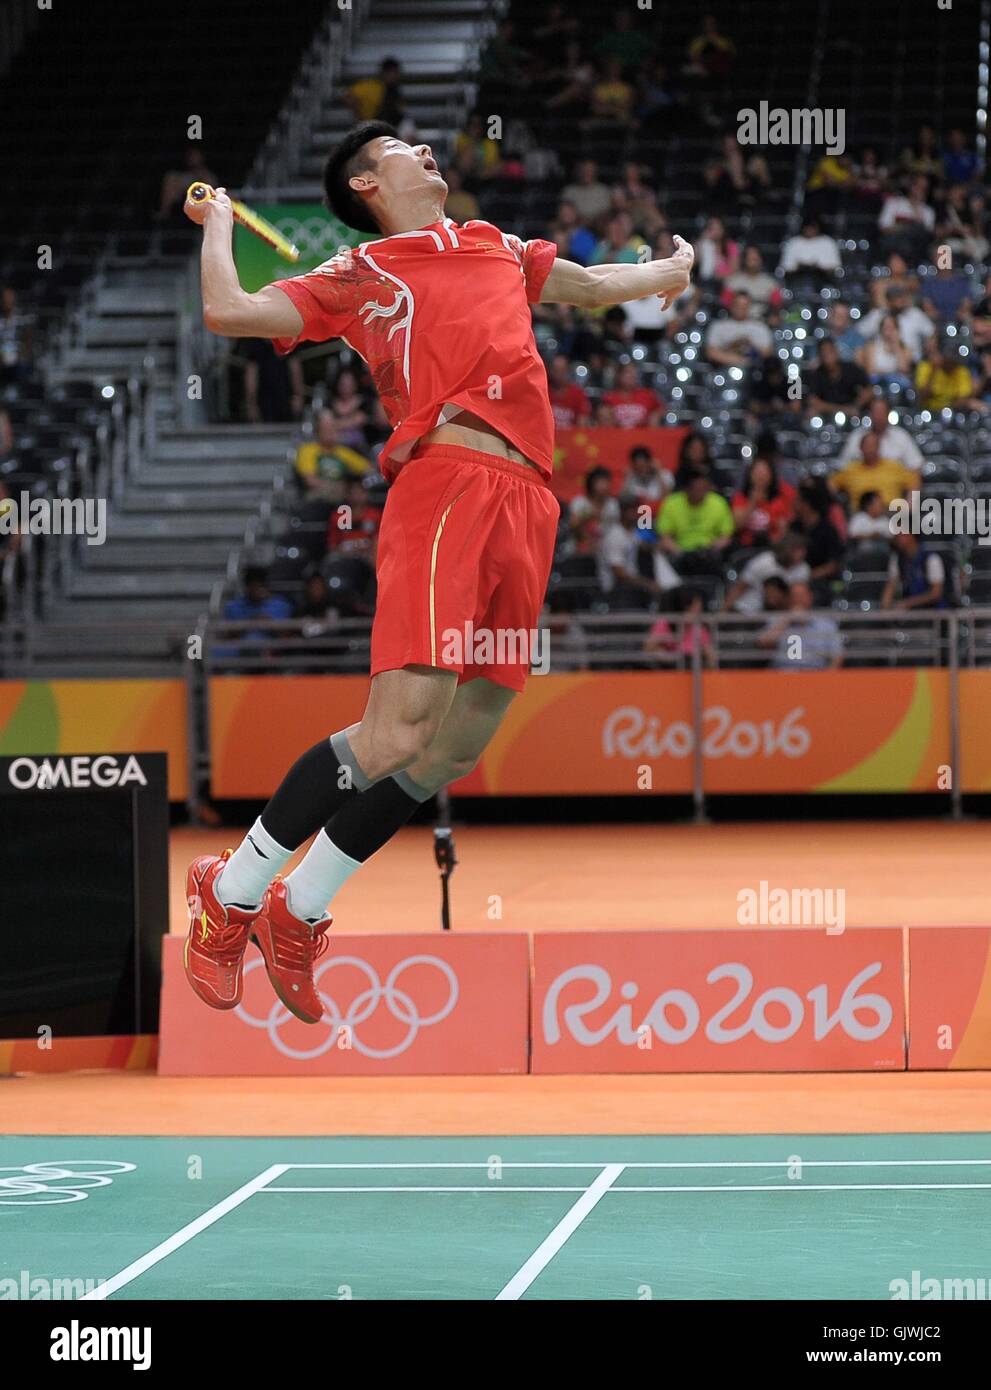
(444, 855)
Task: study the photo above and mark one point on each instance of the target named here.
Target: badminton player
(440, 313)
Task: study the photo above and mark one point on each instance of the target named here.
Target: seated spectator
(872, 520)
(620, 575)
(812, 251)
(476, 154)
(16, 339)
(870, 177)
(914, 327)
(629, 45)
(588, 194)
(461, 205)
(739, 340)
(907, 221)
(646, 480)
(922, 156)
(695, 526)
(887, 358)
(776, 595)
(570, 404)
(786, 563)
(959, 161)
(694, 456)
(764, 506)
(894, 442)
(273, 384)
(944, 381)
(6, 435)
(845, 333)
(633, 405)
(255, 601)
(662, 639)
(773, 394)
(619, 246)
(872, 472)
(960, 224)
(350, 411)
(176, 181)
(717, 254)
(834, 384)
(733, 180)
(801, 639)
(916, 575)
(611, 97)
(318, 610)
(946, 296)
(504, 61)
(638, 197)
(573, 82)
(354, 526)
(378, 98)
(711, 54)
(894, 274)
(323, 465)
(832, 175)
(575, 241)
(980, 323)
(754, 280)
(824, 545)
(590, 513)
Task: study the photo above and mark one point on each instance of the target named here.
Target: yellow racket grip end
(199, 192)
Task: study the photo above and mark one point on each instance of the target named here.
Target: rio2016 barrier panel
(614, 732)
(769, 999)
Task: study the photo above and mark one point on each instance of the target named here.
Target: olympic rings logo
(399, 1003)
(44, 1184)
(314, 235)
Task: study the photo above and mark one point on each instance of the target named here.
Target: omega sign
(102, 771)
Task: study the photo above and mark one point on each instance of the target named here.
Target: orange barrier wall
(629, 732)
(949, 982)
(94, 716)
(761, 1000)
(414, 1005)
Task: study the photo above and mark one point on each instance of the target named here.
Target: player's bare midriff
(472, 432)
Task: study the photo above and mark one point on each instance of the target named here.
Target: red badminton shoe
(218, 936)
(291, 948)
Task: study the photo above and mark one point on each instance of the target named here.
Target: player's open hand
(217, 206)
(682, 259)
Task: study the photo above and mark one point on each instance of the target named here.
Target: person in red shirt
(441, 315)
(633, 405)
(764, 506)
(569, 403)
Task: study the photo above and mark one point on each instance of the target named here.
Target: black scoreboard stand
(84, 893)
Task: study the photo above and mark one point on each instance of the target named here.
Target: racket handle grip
(199, 192)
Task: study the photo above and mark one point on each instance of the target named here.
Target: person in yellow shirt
(943, 382)
(871, 473)
(378, 98)
(324, 467)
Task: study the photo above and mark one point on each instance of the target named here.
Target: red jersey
(570, 405)
(632, 408)
(441, 317)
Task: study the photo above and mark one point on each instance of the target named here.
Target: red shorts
(464, 554)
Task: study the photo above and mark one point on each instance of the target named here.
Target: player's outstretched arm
(596, 286)
(227, 309)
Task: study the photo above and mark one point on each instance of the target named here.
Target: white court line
(698, 1163)
(492, 1187)
(564, 1229)
(174, 1242)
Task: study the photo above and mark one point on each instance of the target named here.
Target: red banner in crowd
(578, 450)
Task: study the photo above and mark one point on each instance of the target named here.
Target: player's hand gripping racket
(202, 192)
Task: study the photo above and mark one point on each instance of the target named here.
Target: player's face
(401, 169)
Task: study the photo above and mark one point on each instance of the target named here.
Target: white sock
(251, 868)
(314, 881)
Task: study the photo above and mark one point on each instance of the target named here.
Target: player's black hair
(349, 157)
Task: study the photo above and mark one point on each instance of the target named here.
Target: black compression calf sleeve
(318, 784)
(363, 825)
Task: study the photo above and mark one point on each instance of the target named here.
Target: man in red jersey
(441, 315)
